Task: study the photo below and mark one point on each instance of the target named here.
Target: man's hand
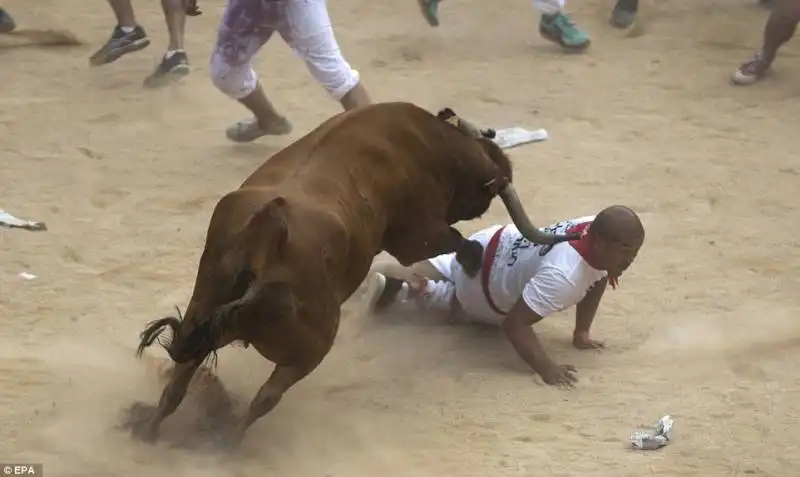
(582, 341)
(561, 375)
(584, 316)
(518, 328)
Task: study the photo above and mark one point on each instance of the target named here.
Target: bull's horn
(524, 225)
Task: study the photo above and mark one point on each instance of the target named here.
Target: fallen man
(521, 282)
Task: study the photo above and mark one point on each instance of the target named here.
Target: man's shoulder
(562, 257)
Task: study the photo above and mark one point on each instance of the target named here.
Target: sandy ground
(704, 326)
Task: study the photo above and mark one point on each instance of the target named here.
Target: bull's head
(501, 183)
(485, 137)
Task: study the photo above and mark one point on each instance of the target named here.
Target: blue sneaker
(120, 43)
(7, 24)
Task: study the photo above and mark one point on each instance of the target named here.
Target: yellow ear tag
(453, 120)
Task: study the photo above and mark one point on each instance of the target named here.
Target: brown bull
(286, 249)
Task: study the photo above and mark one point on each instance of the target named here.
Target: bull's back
(370, 142)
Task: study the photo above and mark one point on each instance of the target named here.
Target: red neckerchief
(582, 247)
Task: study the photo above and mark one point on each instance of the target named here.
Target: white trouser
(549, 7)
(468, 290)
(303, 24)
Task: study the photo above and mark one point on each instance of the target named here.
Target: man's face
(618, 255)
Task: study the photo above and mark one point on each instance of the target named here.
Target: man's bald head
(616, 234)
(618, 224)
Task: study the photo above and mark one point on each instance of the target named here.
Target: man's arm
(584, 316)
(519, 330)
(541, 296)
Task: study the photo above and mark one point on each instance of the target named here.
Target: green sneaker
(430, 10)
(559, 29)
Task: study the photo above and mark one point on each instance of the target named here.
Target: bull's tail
(261, 287)
(154, 329)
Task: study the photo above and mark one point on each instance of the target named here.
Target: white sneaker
(385, 292)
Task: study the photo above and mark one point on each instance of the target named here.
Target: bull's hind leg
(282, 378)
(311, 345)
(172, 396)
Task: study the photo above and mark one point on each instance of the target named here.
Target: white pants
(549, 7)
(468, 290)
(303, 24)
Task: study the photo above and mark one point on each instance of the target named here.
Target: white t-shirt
(549, 278)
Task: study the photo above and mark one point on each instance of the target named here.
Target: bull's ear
(445, 114)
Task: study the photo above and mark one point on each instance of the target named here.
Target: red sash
(486, 270)
(581, 246)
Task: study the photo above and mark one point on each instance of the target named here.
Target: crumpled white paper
(657, 438)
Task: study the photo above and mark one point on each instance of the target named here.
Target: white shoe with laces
(386, 291)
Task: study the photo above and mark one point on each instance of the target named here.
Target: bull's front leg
(470, 255)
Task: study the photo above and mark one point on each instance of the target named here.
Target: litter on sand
(657, 438)
(512, 137)
(27, 276)
(11, 222)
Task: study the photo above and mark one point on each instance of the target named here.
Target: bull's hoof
(140, 421)
(229, 440)
(470, 256)
(145, 432)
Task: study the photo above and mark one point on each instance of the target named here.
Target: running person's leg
(557, 26)
(430, 11)
(308, 30)
(127, 36)
(624, 13)
(779, 29)
(245, 27)
(174, 64)
(7, 24)
(554, 24)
